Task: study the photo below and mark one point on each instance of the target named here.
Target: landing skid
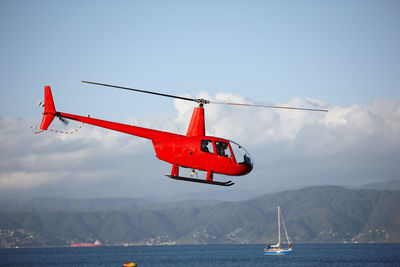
(228, 183)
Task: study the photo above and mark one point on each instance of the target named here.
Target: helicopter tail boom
(49, 109)
(150, 134)
(50, 113)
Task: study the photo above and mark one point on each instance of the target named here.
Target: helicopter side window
(223, 149)
(206, 146)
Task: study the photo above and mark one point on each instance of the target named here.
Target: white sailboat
(277, 249)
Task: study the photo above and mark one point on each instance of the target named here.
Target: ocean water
(206, 255)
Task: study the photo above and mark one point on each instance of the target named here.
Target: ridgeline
(323, 214)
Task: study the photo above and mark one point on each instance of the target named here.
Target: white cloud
(22, 180)
(354, 144)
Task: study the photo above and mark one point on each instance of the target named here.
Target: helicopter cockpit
(222, 149)
(241, 155)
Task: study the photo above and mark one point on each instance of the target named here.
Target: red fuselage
(184, 151)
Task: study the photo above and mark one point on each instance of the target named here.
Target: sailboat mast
(279, 226)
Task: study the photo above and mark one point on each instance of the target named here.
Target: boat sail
(277, 249)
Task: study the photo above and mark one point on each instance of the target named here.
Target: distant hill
(389, 185)
(325, 214)
(49, 204)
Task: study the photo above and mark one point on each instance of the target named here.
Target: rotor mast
(197, 124)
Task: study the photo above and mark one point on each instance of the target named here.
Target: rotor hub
(201, 101)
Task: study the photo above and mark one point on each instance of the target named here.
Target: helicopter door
(224, 156)
(223, 149)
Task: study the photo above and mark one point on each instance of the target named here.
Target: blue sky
(341, 53)
(344, 52)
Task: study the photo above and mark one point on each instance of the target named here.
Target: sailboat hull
(277, 252)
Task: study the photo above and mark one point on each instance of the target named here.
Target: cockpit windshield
(241, 155)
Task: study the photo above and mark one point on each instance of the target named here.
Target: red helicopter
(194, 150)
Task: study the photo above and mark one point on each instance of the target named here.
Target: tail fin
(49, 109)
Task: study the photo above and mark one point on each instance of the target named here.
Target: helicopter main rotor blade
(200, 100)
(143, 91)
(266, 106)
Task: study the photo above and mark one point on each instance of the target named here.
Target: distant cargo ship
(97, 243)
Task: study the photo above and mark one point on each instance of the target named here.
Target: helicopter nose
(249, 168)
(245, 169)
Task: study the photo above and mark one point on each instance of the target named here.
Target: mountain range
(320, 214)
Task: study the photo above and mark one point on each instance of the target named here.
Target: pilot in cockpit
(221, 148)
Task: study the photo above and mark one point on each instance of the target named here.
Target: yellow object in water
(129, 264)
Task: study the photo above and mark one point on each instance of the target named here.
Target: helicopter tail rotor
(64, 121)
